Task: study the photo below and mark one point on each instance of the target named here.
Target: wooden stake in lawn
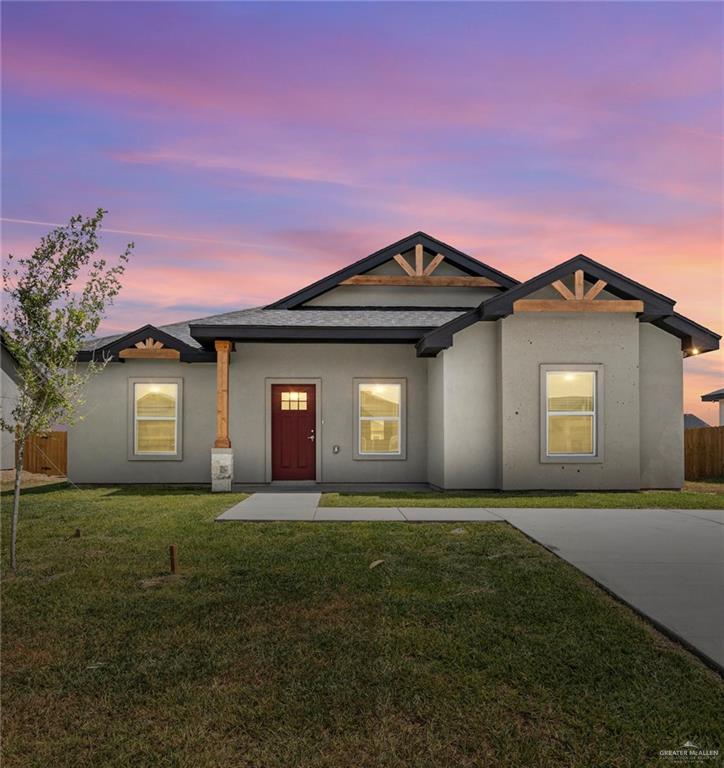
(172, 558)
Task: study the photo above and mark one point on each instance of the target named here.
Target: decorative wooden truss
(578, 300)
(419, 275)
(150, 348)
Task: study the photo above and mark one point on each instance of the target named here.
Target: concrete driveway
(667, 564)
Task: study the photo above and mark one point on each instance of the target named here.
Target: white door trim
(317, 383)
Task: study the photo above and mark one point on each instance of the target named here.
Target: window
(571, 412)
(294, 401)
(380, 407)
(155, 409)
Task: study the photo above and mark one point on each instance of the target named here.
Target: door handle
(311, 437)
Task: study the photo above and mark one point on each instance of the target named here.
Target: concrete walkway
(667, 564)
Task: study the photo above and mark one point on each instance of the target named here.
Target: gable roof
(692, 421)
(457, 258)
(619, 285)
(110, 346)
(658, 309)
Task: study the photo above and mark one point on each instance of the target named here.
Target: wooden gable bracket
(150, 349)
(419, 275)
(579, 300)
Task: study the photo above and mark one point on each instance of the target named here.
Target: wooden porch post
(223, 348)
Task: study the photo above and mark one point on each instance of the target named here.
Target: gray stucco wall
(337, 365)
(661, 408)
(530, 339)
(473, 413)
(436, 421)
(97, 446)
(9, 394)
(470, 405)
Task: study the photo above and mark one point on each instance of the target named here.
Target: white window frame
(133, 453)
(596, 457)
(401, 453)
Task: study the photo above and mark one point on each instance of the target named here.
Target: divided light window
(570, 398)
(380, 418)
(155, 418)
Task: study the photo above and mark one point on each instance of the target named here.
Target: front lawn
(707, 495)
(280, 647)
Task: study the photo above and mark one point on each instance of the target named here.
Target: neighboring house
(415, 364)
(692, 421)
(9, 393)
(717, 396)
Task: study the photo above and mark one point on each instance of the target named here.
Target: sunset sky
(249, 149)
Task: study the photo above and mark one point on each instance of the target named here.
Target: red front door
(294, 425)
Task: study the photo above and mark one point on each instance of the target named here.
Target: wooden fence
(46, 454)
(703, 453)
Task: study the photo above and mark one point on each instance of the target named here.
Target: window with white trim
(571, 413)
(155, 418)
(380, 427)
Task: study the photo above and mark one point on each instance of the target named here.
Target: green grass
(279, 647)
(698, 499)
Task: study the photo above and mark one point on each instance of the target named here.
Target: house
(713, 397)
(9, 380)
(692, 421)
(416, 364)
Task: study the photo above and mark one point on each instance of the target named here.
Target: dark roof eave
(713, 397)
(692, 335)
(205, 334)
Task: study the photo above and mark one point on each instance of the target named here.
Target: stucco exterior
(463, 411)
(98, 445)
(9, 393)
(472, 413)
(530, 340)
(660, 409)
(471, 348)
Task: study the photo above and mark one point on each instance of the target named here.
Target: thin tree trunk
(16, 506)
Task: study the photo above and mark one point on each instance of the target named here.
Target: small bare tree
(54, 299)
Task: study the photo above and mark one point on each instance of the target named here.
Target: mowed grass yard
(704, 494)
(280, 647)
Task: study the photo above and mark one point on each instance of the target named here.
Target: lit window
(570, 398)
(294, 401)
(155, 418)
(380, 418)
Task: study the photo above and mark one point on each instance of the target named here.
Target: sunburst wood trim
(453, 281)
(595, 290)
(402, 261)
(419, 259)
(576, 305)
(563, 290)
(149, 343)
(154, 353)
(433, 265)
